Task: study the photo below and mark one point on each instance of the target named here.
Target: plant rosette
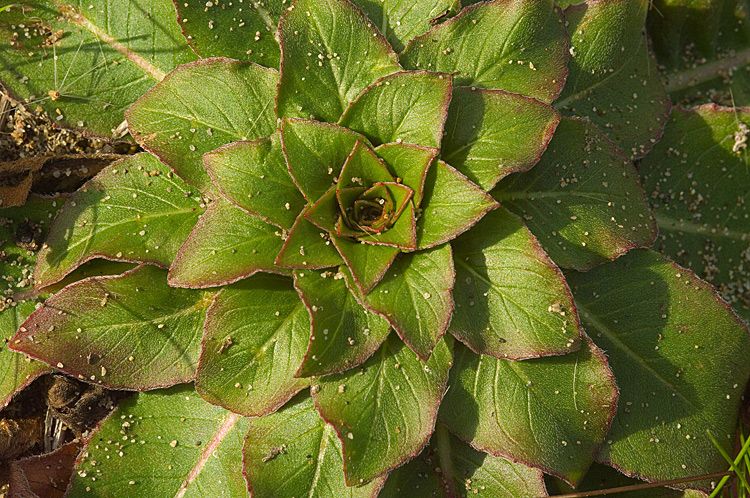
(350, 238)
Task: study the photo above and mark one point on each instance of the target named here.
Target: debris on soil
(38, 157)
(51, 412)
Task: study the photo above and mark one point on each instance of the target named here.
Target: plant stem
(633, 487)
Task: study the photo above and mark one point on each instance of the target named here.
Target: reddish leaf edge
(16, 339)
(208, 164)
(44, 284)
(423, 355)
(139, 137)
(542, 256)
(173, 281)
(384, 80)
(308, 352)
(341, 434)
(613, 411)
(465, 12)
(214, 400)
(282, 26)
(473, 221)
(699, 281)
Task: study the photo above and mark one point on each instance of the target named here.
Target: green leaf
(703, 50)
(415, 296)
(343, 333)
(201, 106)
(516, 45)
(511, 299)
(449, 467)
(22, 230)
(384, 412)
(452, 205)
(551, 413)
(582, 200)
(257, 332)
(293, 452)
(307, 246)
(134, 210)
(253, 175)
(402, 20)
(88, 63)
(362, 169)
(162, 444)
(125, 332)
(315, 153)
(483, 130)
(366, 262)
(698, 183)
(227, 244)
(680, 360)
(612, 78)
(241, 31)
(403, 107)
(330, 52)
(408, 162)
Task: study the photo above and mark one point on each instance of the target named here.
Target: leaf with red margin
(133, 210)
(492, 133)
(511, 299)
(401, 20)
(232, 29)
(366, 262)
(409, 107)
(330, 53)
(343, 333)
(201, 106)
(385, 411)
(164, 443)
(452, 205)
(315, 153)
(307, 246)
(415, 296)
(126, 332)
(449, 468)
(293, 452)
(614, 83)
(227, 244)
(551, 413)
(516, 45)
(255, 339)
(46, 475)
(583, 200)
(681, 359)
(254, 176)
(408, 162)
